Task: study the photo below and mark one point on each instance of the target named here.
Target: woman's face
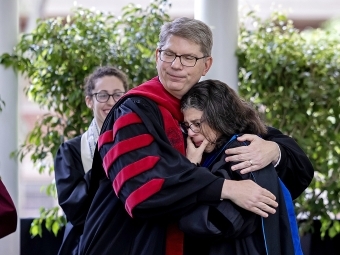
(192, 119)
(109, 85)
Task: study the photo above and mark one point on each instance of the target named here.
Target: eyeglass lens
(195, 127)
(103, 97)
(186, 60)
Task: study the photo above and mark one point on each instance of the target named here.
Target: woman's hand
(258, 154)
(195, 154)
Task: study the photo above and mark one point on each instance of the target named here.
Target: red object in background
(8, 213)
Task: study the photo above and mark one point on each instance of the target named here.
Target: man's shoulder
(131, 104)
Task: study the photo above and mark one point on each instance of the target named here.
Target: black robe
(73, 188)
(146, 183)
(228, 229)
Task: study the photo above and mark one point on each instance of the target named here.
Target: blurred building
(304, 13)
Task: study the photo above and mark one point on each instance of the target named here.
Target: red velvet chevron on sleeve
(108, 136)
(125, 146)
(143, 193)
(132, 170)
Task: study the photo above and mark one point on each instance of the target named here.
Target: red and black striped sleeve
(148, 175)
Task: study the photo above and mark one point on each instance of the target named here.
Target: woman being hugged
(73, 161)
(214, 116)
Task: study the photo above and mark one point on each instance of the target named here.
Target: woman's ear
(89, 102)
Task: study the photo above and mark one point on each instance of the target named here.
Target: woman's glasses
(103, 97)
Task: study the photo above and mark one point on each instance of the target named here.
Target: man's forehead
(181, 45)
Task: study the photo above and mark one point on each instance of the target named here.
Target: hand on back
(250, 196)
(258, 154)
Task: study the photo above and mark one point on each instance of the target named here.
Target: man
(149, 183)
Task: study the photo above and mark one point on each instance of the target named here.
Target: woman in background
(73, 162)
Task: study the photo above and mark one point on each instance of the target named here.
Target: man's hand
(258, 154)
(195, 154)
(250, 196)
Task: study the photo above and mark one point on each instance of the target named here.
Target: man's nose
(177, 63)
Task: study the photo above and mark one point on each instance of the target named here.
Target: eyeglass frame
(179, 56)
(185, 128)
(110, 95)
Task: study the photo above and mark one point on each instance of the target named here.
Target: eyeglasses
(195, 127)
(103, 97)
(186, 60)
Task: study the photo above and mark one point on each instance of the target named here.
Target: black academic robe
(146, 183)
(228, 229)
(295, 168)
(149, 183)
(73, 187)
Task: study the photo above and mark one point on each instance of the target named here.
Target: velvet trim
(173, 131)
(132, 170)
(108, 136)
(125, 146)
(154, 90)
(174, 240)
(170, 109)
(143, 193)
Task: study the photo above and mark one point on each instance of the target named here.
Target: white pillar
(9, 26)
(222, 17)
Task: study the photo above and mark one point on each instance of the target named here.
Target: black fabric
(228, 229)
(47, 244)
(73, 187)
(295, 169)
(108, 228)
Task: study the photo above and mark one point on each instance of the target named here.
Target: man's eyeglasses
(103, 97)
(186, 60)
(195, 127)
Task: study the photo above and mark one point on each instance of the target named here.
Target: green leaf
(56, 57)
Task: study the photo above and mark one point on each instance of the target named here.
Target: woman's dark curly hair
(223, 110)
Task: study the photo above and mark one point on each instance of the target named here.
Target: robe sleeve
(71, 181)
(295, 169)
(225, 219)
(149, 176)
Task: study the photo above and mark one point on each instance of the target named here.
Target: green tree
(56, 57)
(294, 81)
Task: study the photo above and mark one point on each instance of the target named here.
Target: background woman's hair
(223, 110)
(100, 72)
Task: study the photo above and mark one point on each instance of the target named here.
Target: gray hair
(191, 29)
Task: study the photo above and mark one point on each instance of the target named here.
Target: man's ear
(89, 102)
(156, 55)
(207, 64)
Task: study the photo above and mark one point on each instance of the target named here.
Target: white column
(9, 26)
(222, 17)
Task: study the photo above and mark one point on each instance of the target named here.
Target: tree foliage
(60, 53)
(294, 80)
